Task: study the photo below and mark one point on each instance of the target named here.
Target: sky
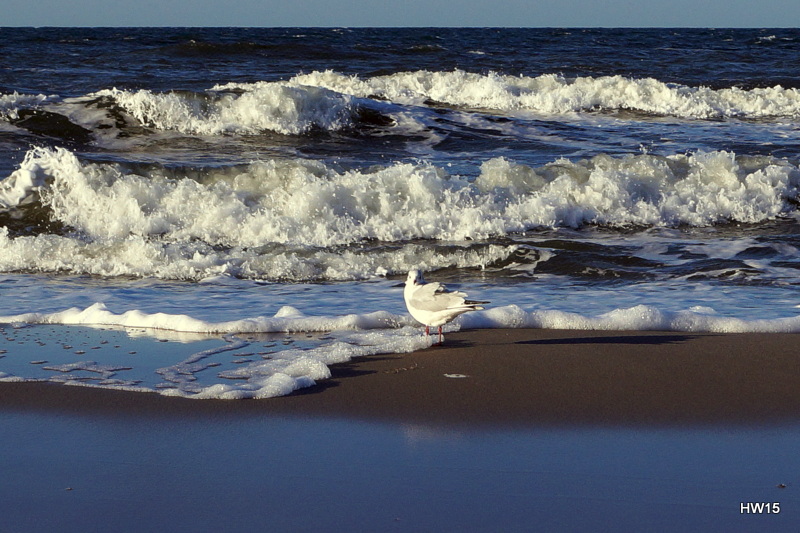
(355, 13)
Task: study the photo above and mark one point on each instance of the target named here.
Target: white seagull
(432, 304)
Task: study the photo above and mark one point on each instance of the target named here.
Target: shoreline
(511, 377)
(613, 430)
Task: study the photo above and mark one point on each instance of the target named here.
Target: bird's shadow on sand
(616, 339)
(340, 371)
(457, 343)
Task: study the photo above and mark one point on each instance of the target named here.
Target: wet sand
(516, 377)
(498, 430)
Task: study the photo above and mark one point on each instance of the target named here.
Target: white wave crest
(555, 94)
(295, 219)
(290, 202)
(276, 107)
(330, 101)
(140, 257)
(699, 189)
(12, 104)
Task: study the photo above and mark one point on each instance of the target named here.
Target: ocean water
(227, 185)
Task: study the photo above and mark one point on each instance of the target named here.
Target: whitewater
(159, 225)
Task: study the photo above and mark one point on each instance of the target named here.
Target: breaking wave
(276, 107)
(329, 102)
(556, 94)
(300, 219)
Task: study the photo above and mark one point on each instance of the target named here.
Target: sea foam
(275, 106)
(290, 320)
(287, 319)
(637, 318)
(275, 375)
(299, 219)
(284, 371)
(556, 94)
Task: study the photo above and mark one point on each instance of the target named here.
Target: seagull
(432, 304)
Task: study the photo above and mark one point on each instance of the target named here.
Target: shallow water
(283, 474)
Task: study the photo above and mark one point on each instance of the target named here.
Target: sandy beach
(518, 377)
(496, 430)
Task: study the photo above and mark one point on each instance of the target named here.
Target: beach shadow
(617, 339)
(457, 343)
(320, 387)
(340, 371)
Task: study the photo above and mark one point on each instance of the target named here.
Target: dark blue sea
(192, 181)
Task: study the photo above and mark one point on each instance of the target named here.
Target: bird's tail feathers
(473, 305)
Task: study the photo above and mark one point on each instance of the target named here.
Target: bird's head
(414, 278)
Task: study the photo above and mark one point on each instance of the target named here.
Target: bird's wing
(436, 297)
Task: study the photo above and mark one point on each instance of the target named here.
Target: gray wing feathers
(435, 297)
